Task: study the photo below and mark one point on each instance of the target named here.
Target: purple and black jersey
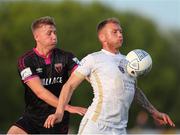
(53, 72)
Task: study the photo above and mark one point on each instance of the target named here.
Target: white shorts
(88, 126)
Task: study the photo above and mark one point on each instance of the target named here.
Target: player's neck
(111, 50)
(43, 51)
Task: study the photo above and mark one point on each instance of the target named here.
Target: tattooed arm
(159, 117)
(142, 100)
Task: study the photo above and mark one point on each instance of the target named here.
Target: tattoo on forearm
(142, 100)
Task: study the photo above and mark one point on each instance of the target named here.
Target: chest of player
(51, 70)
(113, 75)
(54, 72)
(111, 66)
(113, 69)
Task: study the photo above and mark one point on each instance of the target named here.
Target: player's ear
(35, 35)
(101, 37)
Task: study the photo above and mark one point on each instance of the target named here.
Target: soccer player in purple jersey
(43, 71)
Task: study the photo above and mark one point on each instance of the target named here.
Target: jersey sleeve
(85, 66)
(26, 69)
(72, 62)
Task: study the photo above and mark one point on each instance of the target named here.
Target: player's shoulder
(62, 52)
(27, 55)
(99, 55)
(91, 57)
(95, 54)
(122, 55)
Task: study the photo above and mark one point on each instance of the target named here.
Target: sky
(165, 13)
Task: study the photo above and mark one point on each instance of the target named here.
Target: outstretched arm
(45, 95)
(159, 117)
(64, 98)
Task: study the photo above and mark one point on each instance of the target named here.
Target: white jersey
(113, 88)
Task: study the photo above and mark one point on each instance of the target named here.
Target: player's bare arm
(41, 92)
(159, 117)
(142, 100)
(64, 98)
(49, 98)
(76, 109)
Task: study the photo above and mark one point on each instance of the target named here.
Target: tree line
(76, 29)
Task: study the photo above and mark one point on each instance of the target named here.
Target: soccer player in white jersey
(113, 88)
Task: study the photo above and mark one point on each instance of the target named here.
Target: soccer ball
(139, 62)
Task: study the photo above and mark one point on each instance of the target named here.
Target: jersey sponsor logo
(58, 67)
(122, 64)
(26, 73)
(49, 81)
(76, 60)
(129, 85)
(121, 69)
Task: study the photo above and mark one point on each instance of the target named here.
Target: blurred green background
(76, 29)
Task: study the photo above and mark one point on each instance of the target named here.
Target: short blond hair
(46, 20)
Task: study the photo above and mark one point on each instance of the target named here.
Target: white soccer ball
(139, 62)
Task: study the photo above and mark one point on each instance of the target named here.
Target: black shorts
(31, 127)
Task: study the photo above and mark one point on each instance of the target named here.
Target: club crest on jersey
(58, 67)
(121, 69)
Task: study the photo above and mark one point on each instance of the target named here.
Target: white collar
(109, 53)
